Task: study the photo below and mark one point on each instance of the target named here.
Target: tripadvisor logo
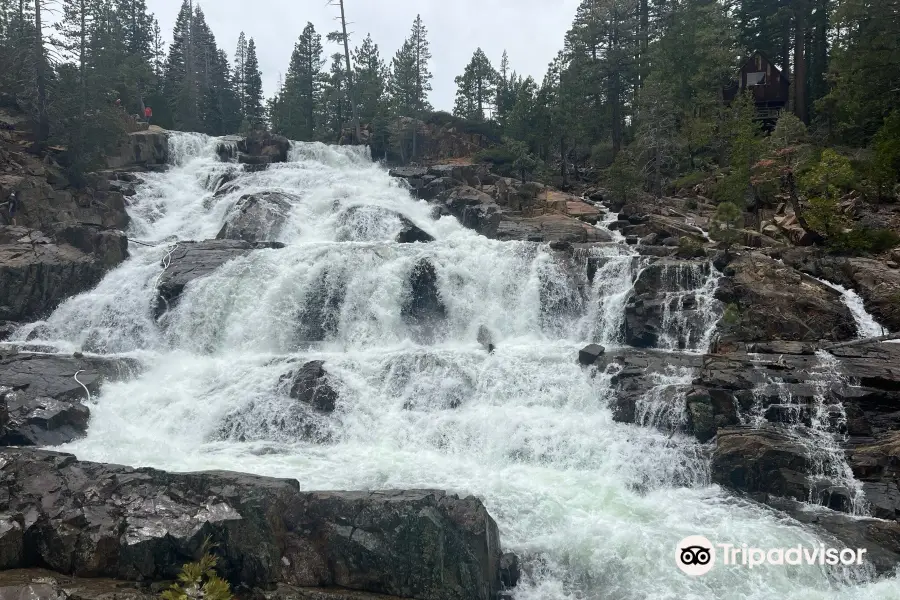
(696, 555)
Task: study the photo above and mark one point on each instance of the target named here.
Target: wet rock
(310, 386)
(878, 286)
(509, 570)
(110, 247)
(485, 338)
(474, 209)
(374, 223)
(263, 147)
(701, 416)
(37, 274)
(881, 539)
(590, 353)
(6, 329)
(257, 217)
(97, 520)
(42, 401)
(141, 148)
(424, 301)
(763, 460)
(319, 317)
(189, 261)
(411, 233)
(776, 302)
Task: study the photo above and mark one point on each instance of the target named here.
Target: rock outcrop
(42, 401)
(141, 148)
(192, 260)
(97, 520)
(37, 273)
(257, 217)
(878, 285)
(773, 301)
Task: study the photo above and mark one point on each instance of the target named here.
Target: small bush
(199, 580)
(732, 315)
(688, 247)
(864, 241)
(497, 155)
(691, 204)
(690, 180)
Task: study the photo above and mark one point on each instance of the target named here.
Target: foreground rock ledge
(89, 519)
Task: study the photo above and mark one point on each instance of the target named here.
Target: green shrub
(199, 580)
(732, 315)
(496, 155)
(690, 180)
(864, 241)
(691, 204)
(726, 224)
(688, 247)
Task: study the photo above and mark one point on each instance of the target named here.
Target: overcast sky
(530, 30)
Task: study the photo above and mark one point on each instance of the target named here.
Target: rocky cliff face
(96, 520)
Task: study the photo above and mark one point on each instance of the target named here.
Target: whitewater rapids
(594, 508)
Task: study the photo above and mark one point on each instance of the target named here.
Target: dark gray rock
(257, 217)
(189, 261)
(774, 301)
(36, 274)
(264, 147)
(590, 353)
(310, 386)
(423, 304)
(761, 460)
(97, 520)
(43, 402)
(411, 233)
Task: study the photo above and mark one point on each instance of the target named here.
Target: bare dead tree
(350, 90)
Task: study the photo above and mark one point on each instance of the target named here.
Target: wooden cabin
(770, 87)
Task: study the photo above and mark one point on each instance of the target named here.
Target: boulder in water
(41, 400)
(485, 338)
(411, 232)
(263, 147)
(765, 460)
(590, 353)
(424, 300)
(310, 386)
(189, 261)
(257, 217)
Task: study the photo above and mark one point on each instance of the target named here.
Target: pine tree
(336, 106)
(180, 80)
(251, 90)
(371, 79)
(240, 66)
(300, 100)
(476, 88)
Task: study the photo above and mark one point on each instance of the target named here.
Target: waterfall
(593, 507)
(866, 325)
(818, 423)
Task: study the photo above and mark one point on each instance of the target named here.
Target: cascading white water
(593, 507)
(817, 424)
(866, 325)
(690, 311)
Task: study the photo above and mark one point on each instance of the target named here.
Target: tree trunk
(800, 108)
(349, 75)
(43, 129)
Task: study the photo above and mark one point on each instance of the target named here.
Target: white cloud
(530, 30)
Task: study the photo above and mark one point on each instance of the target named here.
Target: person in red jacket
(147, 114)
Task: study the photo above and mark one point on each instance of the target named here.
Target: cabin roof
(768, 60)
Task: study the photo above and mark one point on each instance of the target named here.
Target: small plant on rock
(726, 225)
(199, 580)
